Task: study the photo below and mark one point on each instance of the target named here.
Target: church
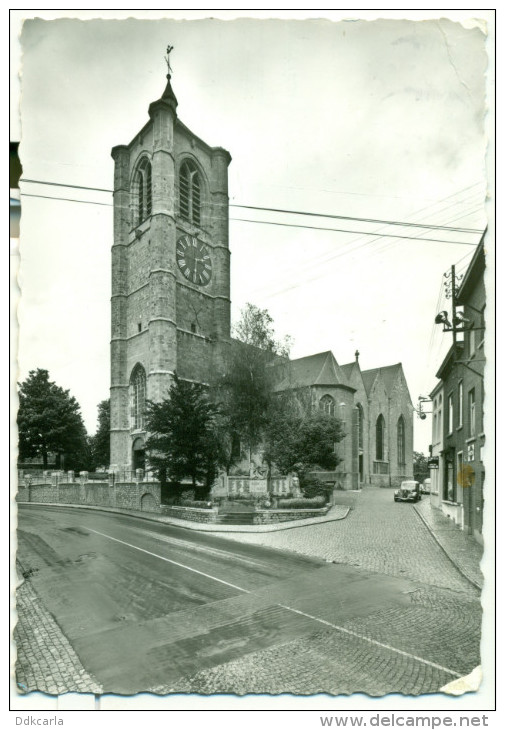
(170, 307)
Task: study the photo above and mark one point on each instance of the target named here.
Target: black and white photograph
(252, 283)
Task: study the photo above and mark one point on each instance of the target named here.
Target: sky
(378, 119)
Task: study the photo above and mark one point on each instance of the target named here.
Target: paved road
(378, 534)
(156, 608)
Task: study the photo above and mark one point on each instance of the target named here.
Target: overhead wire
(351, 248)
(274, 210)
(274, 223)
(332, 258)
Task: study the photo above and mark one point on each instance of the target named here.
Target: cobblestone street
(378, 653)
(384, 537)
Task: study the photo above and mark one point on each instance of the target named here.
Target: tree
(49, 421)
(246, 390)
(184, 436)
(255, 328)
(100, 442)
(296, 442)
(421, 468)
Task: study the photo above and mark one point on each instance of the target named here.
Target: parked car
(409, 492)
(426, 487)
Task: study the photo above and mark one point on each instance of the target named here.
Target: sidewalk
(337, 512)
(46, 662)
(462, 549)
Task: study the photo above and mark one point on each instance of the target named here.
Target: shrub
(195, 503)
(314, 487)
(302, 503)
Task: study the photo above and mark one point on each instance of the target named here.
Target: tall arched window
(400, 439)
(142, 191)
(380, 428)
(361, 425)
(138, 396)
(190, 193)
(327, 405)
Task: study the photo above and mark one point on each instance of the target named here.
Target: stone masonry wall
(145, 496)
(192, 514)
(268, 517)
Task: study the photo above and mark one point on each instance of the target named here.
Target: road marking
(188, 545)
(289, 608)
(167, 560)
(372, 641)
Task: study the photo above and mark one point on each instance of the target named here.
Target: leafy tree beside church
(49, 421)
(299, 442)
(246, 390)
(100, 442)
(184, 441)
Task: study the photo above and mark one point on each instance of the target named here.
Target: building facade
(375, 408)
(170, 270)
(458, 414)
(170, 307)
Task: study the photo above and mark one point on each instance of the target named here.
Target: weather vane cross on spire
(167, 58)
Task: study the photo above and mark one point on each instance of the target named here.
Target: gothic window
(400, 435)
(190, 193)
(138, 396)
(360, 425)
(142, 192)
(379, 438)
(327, 405)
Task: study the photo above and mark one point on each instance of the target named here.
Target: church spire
(168, 95)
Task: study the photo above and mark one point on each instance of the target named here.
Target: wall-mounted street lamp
(419, 410)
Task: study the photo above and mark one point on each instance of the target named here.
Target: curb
(446, 552)
(203, 526)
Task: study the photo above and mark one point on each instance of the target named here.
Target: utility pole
(450, 293)
(453, 301)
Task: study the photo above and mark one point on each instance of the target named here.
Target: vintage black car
(409, 492)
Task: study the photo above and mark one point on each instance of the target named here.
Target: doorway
(138, 454)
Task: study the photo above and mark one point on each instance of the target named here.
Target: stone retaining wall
(271, 516)
(192, 514)
(144, 496)
(141, 496)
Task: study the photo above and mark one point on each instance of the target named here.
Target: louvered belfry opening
(190, 193)
(143, 191)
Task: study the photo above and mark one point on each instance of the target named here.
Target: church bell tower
(170, 304)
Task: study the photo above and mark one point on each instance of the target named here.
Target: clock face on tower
(193, 259)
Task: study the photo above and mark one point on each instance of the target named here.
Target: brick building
(170, 306)
(376, 410)
(458, 414)
(170, 269)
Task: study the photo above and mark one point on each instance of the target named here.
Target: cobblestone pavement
(379, 535)
(45, 659)
(337, 662)
(442, 621)
(465, 551)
